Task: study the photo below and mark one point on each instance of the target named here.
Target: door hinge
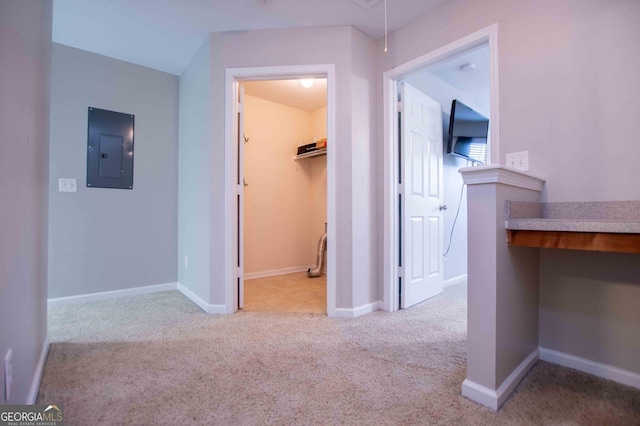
(239, 272)
(400, 271)
(400, 106)
(400, 188)
(239, 189)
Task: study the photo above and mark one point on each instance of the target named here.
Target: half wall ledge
(502, 321)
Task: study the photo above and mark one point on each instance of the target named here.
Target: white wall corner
(37, 375)
(207, 307)
(358, 311)
(495, 398)
(598, 369)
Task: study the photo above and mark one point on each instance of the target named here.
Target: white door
(421, 194)
(240, 184)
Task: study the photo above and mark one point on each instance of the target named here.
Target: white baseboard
(115, 294)
(456, 280)
(207, 307)
(358, 311)
(37, 375)
(274, 272)
(605, 371)
(495, 398)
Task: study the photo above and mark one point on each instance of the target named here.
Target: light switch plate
(67, 185)
(518, 160)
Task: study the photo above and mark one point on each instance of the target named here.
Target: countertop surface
(568, 225)
(606, 217)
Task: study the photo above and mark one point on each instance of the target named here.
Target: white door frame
(390, 300)
(234, 75)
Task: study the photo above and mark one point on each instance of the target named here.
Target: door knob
(443, 207)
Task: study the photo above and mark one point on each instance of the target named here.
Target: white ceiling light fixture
(307, 83)
(467, 67)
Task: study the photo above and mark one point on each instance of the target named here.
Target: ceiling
(166, 34)
(290, 93)
(474, 83)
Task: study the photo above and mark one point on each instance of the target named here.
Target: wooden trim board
(590, 241)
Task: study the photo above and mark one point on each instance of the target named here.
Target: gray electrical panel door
(110, 149)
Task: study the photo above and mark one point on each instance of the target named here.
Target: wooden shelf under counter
(590, 241)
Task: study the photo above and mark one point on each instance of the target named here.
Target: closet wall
(285, 200)
(318, 190)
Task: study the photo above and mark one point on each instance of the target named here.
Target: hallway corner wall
(105, 239)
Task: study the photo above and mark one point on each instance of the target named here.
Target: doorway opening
(465, 70)
(285, 195)
(235, 141)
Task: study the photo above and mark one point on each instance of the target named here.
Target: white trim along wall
(136, 291)
(108, 295)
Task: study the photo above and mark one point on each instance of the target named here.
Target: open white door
(421, 241)
(240, 197)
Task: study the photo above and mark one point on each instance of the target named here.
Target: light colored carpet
(286, 293)
(158, 359)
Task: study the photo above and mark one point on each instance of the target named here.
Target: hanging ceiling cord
(385, 26)
(454, 221)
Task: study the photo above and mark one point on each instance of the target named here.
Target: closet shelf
(315, 153)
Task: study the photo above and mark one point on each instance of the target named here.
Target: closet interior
(285, 195)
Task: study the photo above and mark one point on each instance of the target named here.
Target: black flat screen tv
(468, 132)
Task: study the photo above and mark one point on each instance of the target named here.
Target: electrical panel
(110, 149)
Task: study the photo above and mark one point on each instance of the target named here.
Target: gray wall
(502, 325)
(25, 49)
(590, 305)
(366, 270)
(568, 88)
(195, 141)
(110, 239)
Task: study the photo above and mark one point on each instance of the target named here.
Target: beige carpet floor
(286, 293)
(159, 360)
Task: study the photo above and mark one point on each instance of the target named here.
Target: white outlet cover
(67, 185)
(518, 160)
